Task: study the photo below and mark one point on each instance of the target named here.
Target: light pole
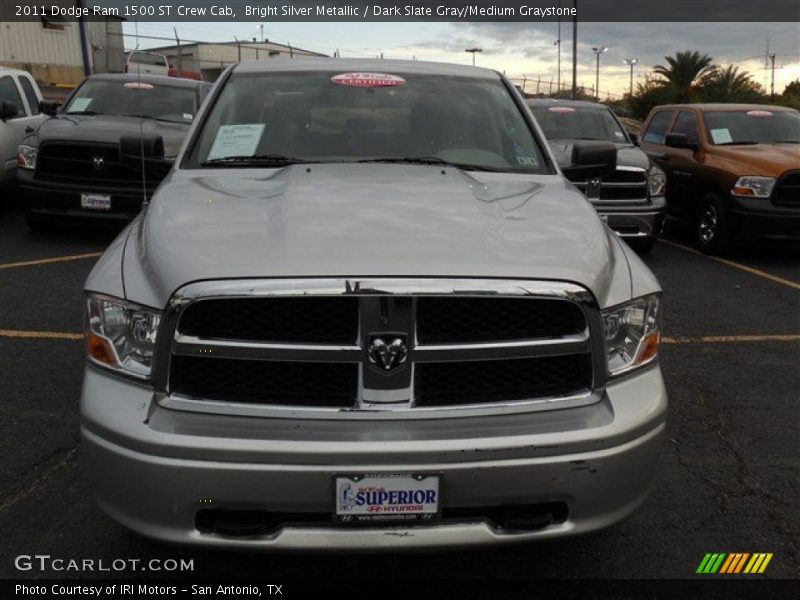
(597, 52)
(631, 62)
(473, 51)
(261, 27)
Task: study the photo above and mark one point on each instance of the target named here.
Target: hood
(769, 160)
(365, 220)
(108, 129)
(627, 154)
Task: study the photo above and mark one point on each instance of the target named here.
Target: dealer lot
(728, 480)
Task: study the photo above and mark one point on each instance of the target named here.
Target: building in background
(53, 52)
(209, 59)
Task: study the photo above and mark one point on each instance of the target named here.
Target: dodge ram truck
(367, 310)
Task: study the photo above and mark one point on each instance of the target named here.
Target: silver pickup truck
(366, 309)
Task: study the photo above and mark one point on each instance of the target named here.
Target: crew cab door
(683, 163)
(15, 90)
(651, 140)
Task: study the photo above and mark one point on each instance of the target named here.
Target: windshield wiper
(737, 143)
(151, 117)
(786, 142)
(257, 159)
(82, 112)
(430, 160)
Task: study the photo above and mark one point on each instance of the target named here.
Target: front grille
(444, 320)
(303, 348)
(76, 162)
(787, 190)
(265, 382)
(304, 320)
(481, 382)
(623, 184)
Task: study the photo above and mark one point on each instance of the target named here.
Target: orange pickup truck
(733, 170)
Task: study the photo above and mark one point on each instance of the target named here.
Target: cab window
(9, 93)
(686, 124)
(657, 128)
(30, 95)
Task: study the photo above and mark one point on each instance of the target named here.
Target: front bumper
(635, 222)
(760, 219)
(154, 469)
(56, 200)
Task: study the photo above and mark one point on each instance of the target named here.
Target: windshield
(762, 126)
(350, 117)
(115, 97)
(148, 59)
(579, 123)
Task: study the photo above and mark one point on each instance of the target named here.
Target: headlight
(26, 156)
(120, 335)
(656, 182)
(750, 185)
(632, 334)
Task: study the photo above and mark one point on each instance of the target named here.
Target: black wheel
(713, 230)
(643, 246)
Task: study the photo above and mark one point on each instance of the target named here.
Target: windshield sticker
(236, 140)
(561, 110)
(620, 135)
(79, 104)
(138, 85)
(368, 79)
(759, 113)
(721, 136)
(188, 116)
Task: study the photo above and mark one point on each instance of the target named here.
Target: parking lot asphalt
(728, 479)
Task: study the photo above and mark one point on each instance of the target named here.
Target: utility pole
(473, 51)
(575, 50)
(558, 43)
(772, 85)
(631, 62)
(597, 52)
(179, 61)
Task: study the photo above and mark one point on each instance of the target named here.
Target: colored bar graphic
(734, 563)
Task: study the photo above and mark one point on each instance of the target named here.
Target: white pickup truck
(20, 111)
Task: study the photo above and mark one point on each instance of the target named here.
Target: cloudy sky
(523, 49)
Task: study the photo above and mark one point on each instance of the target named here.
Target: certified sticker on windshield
(561, 110)
(762, 114)
(368, 79)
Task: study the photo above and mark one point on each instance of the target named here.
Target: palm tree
(686, 70)
(730, 85)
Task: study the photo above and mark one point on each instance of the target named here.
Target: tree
(686, 71)
(730, 85)
(792, 90)
(649, 94)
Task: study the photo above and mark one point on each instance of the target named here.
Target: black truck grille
(306, 350)
(622, 185)
(787, 190)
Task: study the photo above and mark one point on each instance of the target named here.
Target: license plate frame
(394, 511)
(95, 201)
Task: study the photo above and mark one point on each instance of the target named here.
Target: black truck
(106, 149)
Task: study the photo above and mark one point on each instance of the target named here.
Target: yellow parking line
(46, 261)
(730, 263)
(47, 335)
(731, 339)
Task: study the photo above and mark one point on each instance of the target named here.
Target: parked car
(139, 62)
(365, 309)
(733, 170)
(20, 110)
(74, 166)
(631, 199)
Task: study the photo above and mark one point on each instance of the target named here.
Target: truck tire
(713, 227)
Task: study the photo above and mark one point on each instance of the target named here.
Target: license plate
(387, 497)
(96, 201)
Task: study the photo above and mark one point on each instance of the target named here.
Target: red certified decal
(562, 110)
(759, 113)
(138, 85)
(368, 79)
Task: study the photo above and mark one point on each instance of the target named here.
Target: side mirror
(679, 140)
(591, 160)
(49, 107)
(634, 138)
(8, 110)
